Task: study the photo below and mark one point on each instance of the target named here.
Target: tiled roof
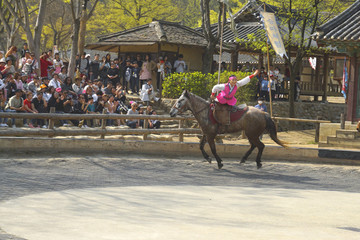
(344, 27)
(154, 32)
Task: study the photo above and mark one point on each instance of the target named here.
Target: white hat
(2, 60)
(87, 55)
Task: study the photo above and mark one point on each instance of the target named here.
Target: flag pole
(221, 41)
(268, 71)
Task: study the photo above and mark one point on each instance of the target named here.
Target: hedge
(202, 84)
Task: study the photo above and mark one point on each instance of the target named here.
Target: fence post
(51, 121)
(181, 135)
(317, 130)
(146, 123)
(342, 121)
(103, 124)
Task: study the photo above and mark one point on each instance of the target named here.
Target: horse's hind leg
(247, 154)
(260, 146)
(213, 150)
(202, 144)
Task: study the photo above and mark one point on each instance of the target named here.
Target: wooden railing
(102, 131)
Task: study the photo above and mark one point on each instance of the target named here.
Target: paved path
(146, 197)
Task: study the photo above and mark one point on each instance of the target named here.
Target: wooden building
(343, 32)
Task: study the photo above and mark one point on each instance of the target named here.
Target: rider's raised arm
(246, 80)
(218, 88)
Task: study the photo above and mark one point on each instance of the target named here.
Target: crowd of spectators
(29, 86)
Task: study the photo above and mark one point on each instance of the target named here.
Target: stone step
(347, 134)
(343, 142)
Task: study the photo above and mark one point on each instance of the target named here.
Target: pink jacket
(226, 96)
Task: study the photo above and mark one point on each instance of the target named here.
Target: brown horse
(254, 122)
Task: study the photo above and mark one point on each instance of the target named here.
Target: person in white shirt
(55, 82)
(147, 92)
(180, 65)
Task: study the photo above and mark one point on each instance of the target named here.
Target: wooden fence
(102, 131)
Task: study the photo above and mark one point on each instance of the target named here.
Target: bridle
(180, 110)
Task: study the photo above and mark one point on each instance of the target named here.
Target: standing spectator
(134, 81)
(34, 66)
(24, 50)
(139, 60)
(44, 64)
(180, 65)
(15, 104)
(264, 92)
(23, 60)
(111, 107)
(160, 72)
(168, 66)
(95, 67)
(11, 53)
(84, 65)
(113, 74)
(103, 68)
(147, 93)
(127, 75)
(39, 105)
(147, 67)
(3, 122)
(57, 63)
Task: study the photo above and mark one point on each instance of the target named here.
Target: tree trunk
(74, 48)
(208, 58)
(82, 33)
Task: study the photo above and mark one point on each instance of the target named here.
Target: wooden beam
(325, 77)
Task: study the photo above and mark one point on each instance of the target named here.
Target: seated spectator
(147, 93)
(57, 101)
(39, 105)
(133, 110)
(28, 107)
(15, 104)
(3, 122)
(63, 74)
(67, 86)
(55, 81)
(152, 123)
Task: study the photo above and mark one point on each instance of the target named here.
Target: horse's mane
(200, 99)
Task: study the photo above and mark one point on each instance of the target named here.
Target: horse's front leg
(260, 146)
(202, 144)
(211, 141)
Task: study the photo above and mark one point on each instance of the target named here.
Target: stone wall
(304, 110)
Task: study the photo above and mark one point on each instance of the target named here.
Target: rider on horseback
(227, 93)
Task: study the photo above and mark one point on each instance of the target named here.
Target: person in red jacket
(44, 64)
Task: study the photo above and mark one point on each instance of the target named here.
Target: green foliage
(202, 84)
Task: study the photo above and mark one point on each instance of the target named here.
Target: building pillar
(325, 77)
(317, 78)
(352, 90)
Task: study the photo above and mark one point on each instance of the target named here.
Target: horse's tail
(270, 126)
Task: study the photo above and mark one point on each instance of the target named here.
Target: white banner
(273, 33)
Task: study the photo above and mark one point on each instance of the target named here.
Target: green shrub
(202, 84)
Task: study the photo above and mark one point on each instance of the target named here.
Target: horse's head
(181, 105)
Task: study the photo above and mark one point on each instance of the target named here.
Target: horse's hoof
(259, 165)
(208, 159)
(242, 161)
(220, 165)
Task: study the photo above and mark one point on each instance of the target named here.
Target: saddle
(225, 114)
